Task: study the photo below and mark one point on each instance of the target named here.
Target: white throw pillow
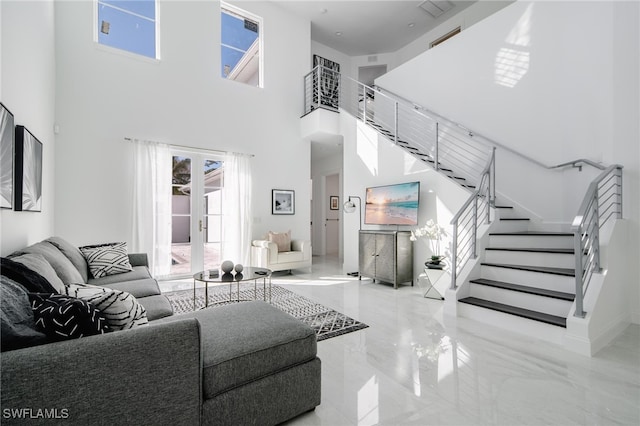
(120, 309)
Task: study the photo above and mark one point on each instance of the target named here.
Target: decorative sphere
(227, 266)
(239, 268)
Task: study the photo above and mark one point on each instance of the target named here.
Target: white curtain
(152, 204)
(236, 209)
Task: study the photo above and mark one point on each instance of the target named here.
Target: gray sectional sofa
(241, 364)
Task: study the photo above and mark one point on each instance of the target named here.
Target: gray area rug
(326, 322)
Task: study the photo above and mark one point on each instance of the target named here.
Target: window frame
(242, 13)
(127, 53)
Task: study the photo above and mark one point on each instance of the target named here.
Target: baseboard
(591, 346)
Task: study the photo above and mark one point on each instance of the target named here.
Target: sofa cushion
(17, 324)
(156, 306)
(107, 259)
(247, 341)
(136, 273)
(39, 265)
(63, 317)
(63, 266)
(282, 240)
(72, 253)
(137, 288)
(120, 309)
(290, 256)
(28, 278)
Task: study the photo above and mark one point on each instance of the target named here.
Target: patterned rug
(326, 322)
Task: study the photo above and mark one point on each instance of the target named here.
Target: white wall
(27, 86)
(371, 160)
(555, 81)
(104, 96)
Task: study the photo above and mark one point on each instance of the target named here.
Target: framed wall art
(333, 202)
(283, 201)
(28, 171)
(7, 139)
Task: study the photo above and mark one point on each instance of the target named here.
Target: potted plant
(433, 232)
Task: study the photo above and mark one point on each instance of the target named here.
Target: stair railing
(602, 201)
(473, 213)
(434, 140)
(321, 89)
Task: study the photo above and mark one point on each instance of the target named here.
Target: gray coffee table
(249, 273)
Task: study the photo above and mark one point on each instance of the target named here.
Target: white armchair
(265, 254)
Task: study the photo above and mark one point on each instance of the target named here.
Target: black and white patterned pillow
(107, 259)
(120, 309)
(62, 317)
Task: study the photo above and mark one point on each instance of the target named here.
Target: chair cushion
(156, 306)
(136, 273)
(28, 278)
(290, 256)
(137, 288)
(73, 254)
(246, 341)
(39, 265)
(282, 240)
(63, 266)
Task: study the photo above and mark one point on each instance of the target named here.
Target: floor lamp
(350, 207)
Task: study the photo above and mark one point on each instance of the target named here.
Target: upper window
(128, 25)
(240, 46)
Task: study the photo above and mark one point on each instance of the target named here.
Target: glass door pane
(181, 216)
(212, 213)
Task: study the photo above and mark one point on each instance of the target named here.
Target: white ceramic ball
(227, 266)
(239, 268)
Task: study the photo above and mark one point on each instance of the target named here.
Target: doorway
(367, 75)
(332, 220)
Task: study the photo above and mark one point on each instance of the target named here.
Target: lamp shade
(349, 207)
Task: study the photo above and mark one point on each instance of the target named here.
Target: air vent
(373, 58)
(436, 8)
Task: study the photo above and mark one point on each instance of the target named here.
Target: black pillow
(63, 317)
(32, 281)
(16, 318)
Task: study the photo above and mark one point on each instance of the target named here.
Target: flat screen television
(392, 204)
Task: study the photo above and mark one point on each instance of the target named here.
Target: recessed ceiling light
(338, 33)
(411, 25)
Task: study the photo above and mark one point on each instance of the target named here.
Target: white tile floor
(409, 368)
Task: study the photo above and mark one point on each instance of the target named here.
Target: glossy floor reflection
(410, 368)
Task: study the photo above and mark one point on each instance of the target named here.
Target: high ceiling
(366, 27)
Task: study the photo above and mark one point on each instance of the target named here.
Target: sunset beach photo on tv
(393, 204)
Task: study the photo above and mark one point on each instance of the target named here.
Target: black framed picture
(283, 201)
(28, 172)
(7, 139)
(333, 202)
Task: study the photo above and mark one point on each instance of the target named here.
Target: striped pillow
(107, 259)
(120, 309)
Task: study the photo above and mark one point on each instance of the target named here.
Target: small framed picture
(283, 201)
(333, 202)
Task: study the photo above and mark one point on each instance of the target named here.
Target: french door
(196, 212)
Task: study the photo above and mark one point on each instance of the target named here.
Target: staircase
(527, 279)
(525, 274)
